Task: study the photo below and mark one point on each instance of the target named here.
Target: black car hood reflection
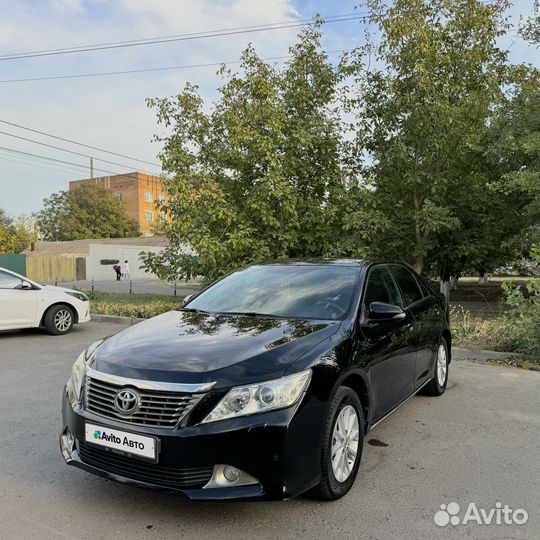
(188, 347)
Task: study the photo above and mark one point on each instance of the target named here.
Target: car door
(385, 349)
(427, 320)
(18, 306)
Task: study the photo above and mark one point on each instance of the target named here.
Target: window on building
(149, 216)
(148, 197)
(162, 215)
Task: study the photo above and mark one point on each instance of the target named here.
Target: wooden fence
(51, 268)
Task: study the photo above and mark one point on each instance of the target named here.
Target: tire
(437, 385)
(344, 402)
(59, 320)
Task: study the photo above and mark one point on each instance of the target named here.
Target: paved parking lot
(478, 443)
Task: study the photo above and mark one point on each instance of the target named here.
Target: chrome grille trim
(159, 405)
(142, 384)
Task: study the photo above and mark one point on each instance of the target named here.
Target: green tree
(530, 29)
(511, 162)
(90, 211)
(422, 111)
(259, 176)
(15, 234)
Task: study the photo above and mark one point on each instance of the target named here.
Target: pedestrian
(116, 268)
(125, 270)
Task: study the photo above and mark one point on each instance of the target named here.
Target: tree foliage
(89, 211)
(420, 146)
(422, 112)
(530, 29)
(259, 175)
(15, 234)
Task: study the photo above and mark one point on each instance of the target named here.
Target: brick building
(138, 191)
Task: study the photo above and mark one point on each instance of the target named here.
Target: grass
(132, 305)
(501, 333)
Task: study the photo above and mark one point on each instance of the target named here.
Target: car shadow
(39, 332)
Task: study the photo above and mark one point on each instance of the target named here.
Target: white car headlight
(261, 397)
(79, 368)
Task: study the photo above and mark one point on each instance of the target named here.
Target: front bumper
(280, 449)
(83, 312)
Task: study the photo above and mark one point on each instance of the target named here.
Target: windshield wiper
(193, 310)
(250, 314)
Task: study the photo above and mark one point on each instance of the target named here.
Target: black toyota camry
(263, 386)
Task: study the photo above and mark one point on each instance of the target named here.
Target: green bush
(522, 319)
(132, 305)
(517, 329)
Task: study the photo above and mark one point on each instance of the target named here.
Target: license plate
(123, 441)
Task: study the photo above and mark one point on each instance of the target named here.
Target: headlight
(262, 397)
(77, 374)
(79, 369)
(78, 295)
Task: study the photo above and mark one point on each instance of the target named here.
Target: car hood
(188, 347)
(56, 288)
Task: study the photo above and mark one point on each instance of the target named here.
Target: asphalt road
(478, 443)
(138, 286)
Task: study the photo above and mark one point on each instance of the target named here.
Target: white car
(27, 304)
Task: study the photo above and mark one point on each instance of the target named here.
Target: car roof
(317, 262)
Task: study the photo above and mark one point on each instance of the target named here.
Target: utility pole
(91, 168)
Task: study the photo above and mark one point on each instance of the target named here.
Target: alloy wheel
(345, 439)
(62, 320)
(442, 365)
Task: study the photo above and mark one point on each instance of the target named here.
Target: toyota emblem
(126, 401)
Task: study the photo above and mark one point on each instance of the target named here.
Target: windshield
(289, 291)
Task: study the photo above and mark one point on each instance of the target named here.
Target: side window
(380, 287)
(7, 281)
(407, 283)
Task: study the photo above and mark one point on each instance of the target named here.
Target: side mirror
(25, 285)
(187, 299)
(381, 311)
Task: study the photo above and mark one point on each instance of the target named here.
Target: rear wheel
(342, 445)
(59, 320)
(437, 385)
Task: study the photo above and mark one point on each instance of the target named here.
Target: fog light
(67, 444)
(229, 476)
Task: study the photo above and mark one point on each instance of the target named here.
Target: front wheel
(59, 320)
(342, 445)
(437, 385)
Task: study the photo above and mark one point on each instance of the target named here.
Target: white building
(89, 259)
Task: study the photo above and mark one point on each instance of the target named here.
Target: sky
(110, 111)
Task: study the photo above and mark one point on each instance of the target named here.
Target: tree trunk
(445, 288)
(419, 263)
(483, 279)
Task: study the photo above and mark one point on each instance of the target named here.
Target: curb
(480, 355)
(115, 319)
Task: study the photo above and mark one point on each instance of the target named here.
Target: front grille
(152, 473)
(157, 408)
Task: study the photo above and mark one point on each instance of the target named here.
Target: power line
(145, 70)
(55, 160)
(182, 37)
(42, 161)
(40, 166)
(78, 143)
(65, 150)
